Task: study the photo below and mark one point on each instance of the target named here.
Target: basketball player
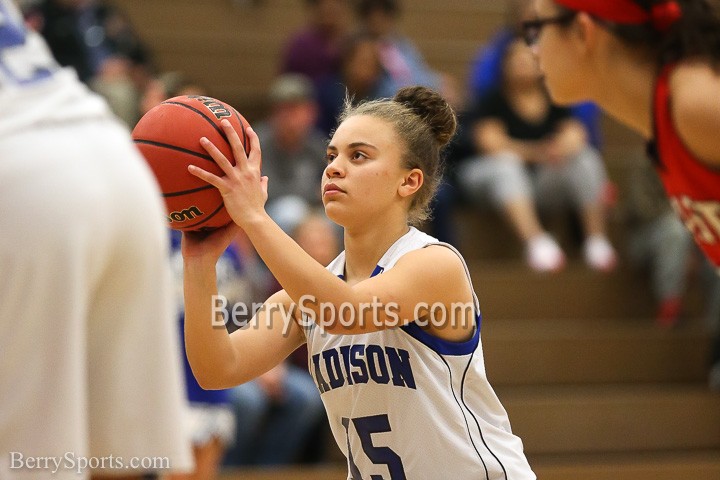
(655, 66)
(405, 390)
(90, 378)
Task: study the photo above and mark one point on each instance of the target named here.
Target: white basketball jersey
(404, 404)
(29, 71)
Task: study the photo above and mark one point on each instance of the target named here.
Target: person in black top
(529, 151)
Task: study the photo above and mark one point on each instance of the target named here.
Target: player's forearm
(209, 350)
(302, 277)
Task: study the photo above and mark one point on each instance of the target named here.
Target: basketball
(168, 136)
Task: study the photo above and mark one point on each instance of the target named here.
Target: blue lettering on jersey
(317, 375)
(359, 372)
(332, 366)
(358, 364)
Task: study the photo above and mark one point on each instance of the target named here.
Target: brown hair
(425, 122)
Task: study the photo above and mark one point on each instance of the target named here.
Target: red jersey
(693, 187)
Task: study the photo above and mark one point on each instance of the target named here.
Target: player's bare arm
(219, 360)
(696, 113)
(434, 275)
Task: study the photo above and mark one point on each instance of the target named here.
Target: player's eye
(330, 157)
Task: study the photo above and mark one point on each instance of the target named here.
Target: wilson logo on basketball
(184, 215)
(215, 107)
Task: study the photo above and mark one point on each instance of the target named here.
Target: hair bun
(432, 108)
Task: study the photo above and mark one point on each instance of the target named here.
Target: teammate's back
(90, 349)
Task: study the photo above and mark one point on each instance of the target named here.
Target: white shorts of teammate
(207, 422)
(90, 363)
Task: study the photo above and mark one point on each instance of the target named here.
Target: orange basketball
(169, 138)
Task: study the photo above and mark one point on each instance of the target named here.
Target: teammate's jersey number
(23, 57)
(365, 427)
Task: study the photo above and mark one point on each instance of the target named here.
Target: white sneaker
(600, 254)
(544, 254)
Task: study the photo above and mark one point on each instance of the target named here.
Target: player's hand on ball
(243, 188)
(208, 245)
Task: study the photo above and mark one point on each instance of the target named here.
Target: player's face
(364, 170)
(556, 55)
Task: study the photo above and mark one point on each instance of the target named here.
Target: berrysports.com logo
(70, 462)
(311, 311)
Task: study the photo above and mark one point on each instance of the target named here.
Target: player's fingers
(255, 158)
(210, 178)
(236, 144)
(227, 234)
(216, 155)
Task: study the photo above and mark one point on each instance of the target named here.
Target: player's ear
(584, 32)
(593, 42)
(412, 181)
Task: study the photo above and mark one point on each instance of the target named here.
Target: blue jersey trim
(441, 346)
(377, 271)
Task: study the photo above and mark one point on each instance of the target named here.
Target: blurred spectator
(486, 68)
(658, 240)
(167, 85)
(279, 412)
(361, 76)
(528, 152)
(293, 150)
(398, 54)
(315, 50)
(99, 42)
(485, 77)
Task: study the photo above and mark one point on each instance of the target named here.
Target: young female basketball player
(405, 390)
(655, 66)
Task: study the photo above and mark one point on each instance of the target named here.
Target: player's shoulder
(436, 260)
(696, 119)
(691, 81)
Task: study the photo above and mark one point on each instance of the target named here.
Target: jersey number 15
(365, 427)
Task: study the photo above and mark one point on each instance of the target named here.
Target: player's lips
(332, 189)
